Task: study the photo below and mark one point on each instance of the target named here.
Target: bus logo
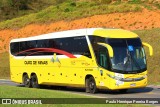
(55, 58)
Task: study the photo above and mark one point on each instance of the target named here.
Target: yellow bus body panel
(70, 72)
(115, 33)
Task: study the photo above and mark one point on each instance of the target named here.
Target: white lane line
(5, 80)
(152, 93)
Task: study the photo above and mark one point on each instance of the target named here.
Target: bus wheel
(34, 81)
(91, 85)
(26, 81)
(123, 90)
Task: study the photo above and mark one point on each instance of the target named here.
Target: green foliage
(106, 1)
(135, 1)
(157, 5)
(15, 8)
(22, 92)
(60, 1)
(10, 9)
(73, 4)
(117, 2)
(102, 1)
(69, 11)
(4, 65)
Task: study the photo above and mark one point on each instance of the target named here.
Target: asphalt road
(151, 91)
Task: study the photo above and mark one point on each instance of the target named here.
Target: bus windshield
(129, 55)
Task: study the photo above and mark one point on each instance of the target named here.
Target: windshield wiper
(126, 63)
(132, 59)
(136, 63)
(128, 59)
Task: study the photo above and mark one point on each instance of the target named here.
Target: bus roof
(115, 33)
(102, 32)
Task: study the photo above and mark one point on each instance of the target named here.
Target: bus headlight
(115, 77)
(127, 79)
(145, 76)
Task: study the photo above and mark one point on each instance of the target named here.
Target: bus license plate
(133, 84)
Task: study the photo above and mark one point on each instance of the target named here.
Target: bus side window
(14, 48)
(102, 57)
(102, 60)
(101, 52)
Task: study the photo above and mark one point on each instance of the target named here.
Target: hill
(144, 19)
(10, 9)
(131, 15)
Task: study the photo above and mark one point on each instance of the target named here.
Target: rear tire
(26, 81)
(34, 81)
(91, 85)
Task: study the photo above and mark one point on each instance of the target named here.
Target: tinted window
(73, 45)
(14, 48)
(129, 56)
(100, 52)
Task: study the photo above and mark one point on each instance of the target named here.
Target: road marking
(152, 93)
(5, 80)
(2, 79)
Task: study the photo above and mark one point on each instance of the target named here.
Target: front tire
(91, 85)
(34, 81)
(26, 81)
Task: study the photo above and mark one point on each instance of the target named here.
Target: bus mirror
(110, 49)
(150, 48)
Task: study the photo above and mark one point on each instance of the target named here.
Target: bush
(106, 1)
(66, 10)
(73, 4)
(59, 1)
(135, 1)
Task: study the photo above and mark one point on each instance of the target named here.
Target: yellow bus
(92, 58)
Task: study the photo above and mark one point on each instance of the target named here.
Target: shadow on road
(130, 91)
(73, 89)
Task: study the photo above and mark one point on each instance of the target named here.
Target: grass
(156, 83)
(4, 65)
(9, 10)
(69, 11)
(22, 92)
(56, 10)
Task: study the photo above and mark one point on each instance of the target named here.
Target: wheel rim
(26, 81)
(34, 81)
(91, 85)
